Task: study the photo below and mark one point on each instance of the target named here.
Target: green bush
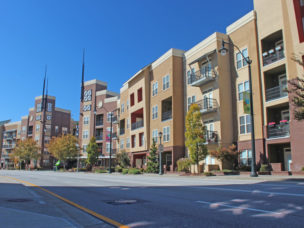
(134, 171)
(183, 164)
(118, 169)
(303, 168)
(208, 174)
(264, 168)
(125, 171)
(82, 169)
(101, 171)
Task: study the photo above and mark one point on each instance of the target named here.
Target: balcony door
(287, 159)
(206, 70)
(285, 115)
(209, 129)
(283, 85)
(208, 98)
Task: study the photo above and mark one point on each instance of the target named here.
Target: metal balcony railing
(211, 137)
(278, 130)
(99, 137)
(30, 132)
(114, 135)
(9, 146)
(273, 55)
(9, 136)
(199, 78)
(137, 124)
(276, 92)
(167, 115)
(207, 105)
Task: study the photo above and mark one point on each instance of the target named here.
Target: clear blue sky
(120, 37)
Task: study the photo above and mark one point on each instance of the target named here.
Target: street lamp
(160, 134)
(223, 51)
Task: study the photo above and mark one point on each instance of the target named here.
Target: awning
(203, 57)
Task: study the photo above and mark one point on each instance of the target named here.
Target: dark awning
(202, 57)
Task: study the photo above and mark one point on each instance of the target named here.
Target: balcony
(115, 119)
(207, 105)
(167, 115)
(121, 131)
(276, 93)
(273, 48)
(30, 133)
(273, 55)
(137, 124)
(198, 78)
(114, 136)
(99, 137)
(99, 123)
(211, 137)
(278, 130)
(9, 146)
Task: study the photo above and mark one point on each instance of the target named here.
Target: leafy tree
(64, 147)
(26, 150)
(195, 133)
(153, 163)
(92, 151)
(123, 159)
(229, 154)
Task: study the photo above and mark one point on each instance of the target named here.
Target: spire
(82, 78)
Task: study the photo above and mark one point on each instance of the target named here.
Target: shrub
(245, 168)
(118, 169)
(264, 168)
(123, 159)
(303, 168)
(125, 171)
(101, 171)
(82, 169)
(208, 174)
(134, 171)
(183, 164)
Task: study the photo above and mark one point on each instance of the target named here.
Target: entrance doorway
(287, 159)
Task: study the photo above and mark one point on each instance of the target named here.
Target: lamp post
(223, 51)
(160, 134)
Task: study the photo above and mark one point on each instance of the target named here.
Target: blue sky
(120, 37)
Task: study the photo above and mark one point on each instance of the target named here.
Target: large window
(240, 61)
(243, 87)
(245, 157)
(166, 82)
(86, 120)
(85, 134)
(155, 135)
(154, 88)
(154, 112)
(191, 100)
(245, 124)
(166, 134)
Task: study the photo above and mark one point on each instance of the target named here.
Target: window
(84, 148)
(166, 82)
(243, 87)
(245, 124)
(23, 129)
(49, 107)
(64, 130)
(37, 138)
(128, 104)
(56, 130)
(240, 61)
(154, 88)
(108, 147)
(206, 70)
(133, 141)
(154, 112)
(191, 100)
(48, 117)
(121, 144)
(141, 139)
(38, 108)
(189, 77)
(128, 123)
(122, 108)
(166, 134)
(109, 114)
(209, 160)
(302, 2)
(37, 127)
(85, 134)
(38, 117)
(132, 99)
(128, 143)
(245, 157)
(139, 95)
(86, 120)
(155, 135)
(48, 128)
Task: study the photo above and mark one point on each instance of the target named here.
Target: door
(283, 85)
(285, 115)
(208, 98)
(209, 130)
(287, 159)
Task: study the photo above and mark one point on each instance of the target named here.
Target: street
(62, 199)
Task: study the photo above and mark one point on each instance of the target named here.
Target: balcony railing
(211, 137)
(167, 115)
(276, 92)
(115, 119)
(99, 137)
(114, 135)
(30, 133)
(99, 123)
(9, 146)
(121, 131)
(278, 130)
(9, 136)
(273, 55)
(207, 105)
(137, 124)
(199, 78)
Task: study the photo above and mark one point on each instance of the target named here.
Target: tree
(229, 154)
(123, 159)
(195, 133)
(92, 151)
(153, 163)
(26, 150)
(64, 147)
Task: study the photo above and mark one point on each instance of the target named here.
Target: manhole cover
(20, 200)
(122, 201)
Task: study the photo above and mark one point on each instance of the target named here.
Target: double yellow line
(93, 213)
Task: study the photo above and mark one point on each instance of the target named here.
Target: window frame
(166, 133)
(154, 88)
(246, 125)
(166, 82)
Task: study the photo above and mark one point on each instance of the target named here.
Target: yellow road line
(93, 213)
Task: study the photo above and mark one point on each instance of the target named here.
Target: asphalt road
(150, 200)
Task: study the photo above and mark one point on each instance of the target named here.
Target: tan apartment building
(151, 102)
(95, 119)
